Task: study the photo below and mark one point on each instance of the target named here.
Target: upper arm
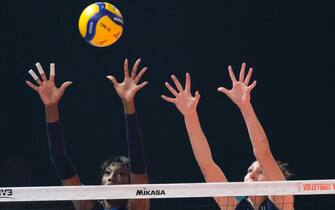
(139, 204)
(79, 205)
(213, 173)
(283, 202)
(139, 178)
(274, 173)
(270, 167)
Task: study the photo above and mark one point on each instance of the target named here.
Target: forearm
(203, 155)
(57, 150)
(134, 140)
(129, 107)
(198, 141)
(51, 113)
(256, 132)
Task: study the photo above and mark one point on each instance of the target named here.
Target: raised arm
(187, 105)
(127, 91)
(50, 96)
(240, 95)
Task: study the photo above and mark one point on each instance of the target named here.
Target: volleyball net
(309, 194)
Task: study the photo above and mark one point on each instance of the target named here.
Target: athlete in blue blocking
(265, 168)
(117, 170)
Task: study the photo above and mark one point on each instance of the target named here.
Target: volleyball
(101, 24)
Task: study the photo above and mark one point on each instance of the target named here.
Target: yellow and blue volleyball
(101, 24)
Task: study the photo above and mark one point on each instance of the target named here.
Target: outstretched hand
(240, 92)
(49, 93)
(129, 87)
(184, 101)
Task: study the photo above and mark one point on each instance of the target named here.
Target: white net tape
(215, 189)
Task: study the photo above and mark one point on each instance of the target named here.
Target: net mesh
(301, 202)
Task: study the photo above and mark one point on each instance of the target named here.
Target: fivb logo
(6, 193)
(149, 192)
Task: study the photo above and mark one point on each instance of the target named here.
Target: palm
(240, 93)
(184, 101)
(129, 87)
(49, 93)
(46, 88)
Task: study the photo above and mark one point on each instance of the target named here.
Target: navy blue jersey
(246, 205)
(100, 206)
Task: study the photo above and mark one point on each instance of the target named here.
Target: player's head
(255, 172)
(115, 170)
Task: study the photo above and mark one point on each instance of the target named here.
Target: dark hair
(284, 167)
(111, 160)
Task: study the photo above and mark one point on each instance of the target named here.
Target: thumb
(113, 80)
(64, 86)
(223, 90)
(197, 97)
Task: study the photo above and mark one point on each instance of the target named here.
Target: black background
(288, 43)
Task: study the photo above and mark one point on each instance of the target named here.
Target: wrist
(245, 106)
(127, 101)
(50, 103)
(129, 106)
(246, 110)
(51, 113)
(51, 106)
(191, 115)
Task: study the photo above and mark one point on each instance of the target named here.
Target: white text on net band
(184, 190)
